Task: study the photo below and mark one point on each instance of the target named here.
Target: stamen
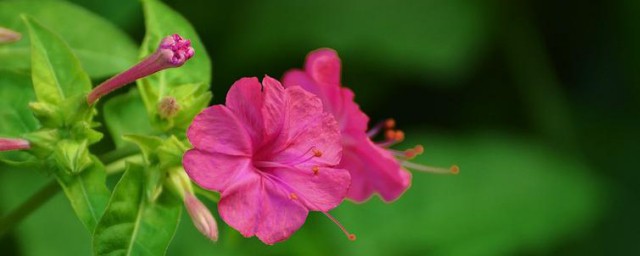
(387, 124)
(454, 169)
(350, 236)
(315, 170)
(407, 154)
(293, 196)
(413, 152)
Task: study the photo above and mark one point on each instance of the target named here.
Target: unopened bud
(7, 144)
(9, 36)
(173, 52)
(201, 217)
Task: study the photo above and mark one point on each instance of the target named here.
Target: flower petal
(255, 205)
(374, 170)
(353, 122)
(320, 77)
(245, 98)
(296, 77)
(280, 215)
(273, 110)
(307, 131)
(216, 129)
(321, 189)
(213, 171)
(324, 66)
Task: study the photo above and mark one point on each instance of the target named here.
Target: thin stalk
(25, 209)
(111, 160)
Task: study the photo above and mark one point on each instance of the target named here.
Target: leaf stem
(113, 161)
(25, 209)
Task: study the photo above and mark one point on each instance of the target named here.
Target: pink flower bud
(173, 52)
(201, 217)
(7, 144)
(9, 36)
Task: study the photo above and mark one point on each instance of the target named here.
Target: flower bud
(9, 36)
(173, 52)
(201, 217)
(7, 144)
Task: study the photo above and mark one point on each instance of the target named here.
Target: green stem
(26, 208)
(114, 162)
(213, 196)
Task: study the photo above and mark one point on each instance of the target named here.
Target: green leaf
(72, 156)
(87, 192)
(16, 119)
(193, 77)
(56, 72)
(14, 111)
(125, 115)
(147, 144)
(132, 224)
(101, 47)
(52, 229)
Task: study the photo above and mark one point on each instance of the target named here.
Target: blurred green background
(537, 101)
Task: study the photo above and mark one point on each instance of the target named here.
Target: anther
(399, 136)
(293, 196)
(389, 123)
(390, 135)
(315, 170)
(317, 153)
(454, 169)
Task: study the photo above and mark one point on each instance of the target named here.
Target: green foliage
(132, 223)
(59, 81)
(86, 191)
(14, 113)
(125, 115)
(101, 47)
(61, 84)
(188, 85)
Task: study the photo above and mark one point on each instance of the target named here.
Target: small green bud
(72, 156)
(168, 107)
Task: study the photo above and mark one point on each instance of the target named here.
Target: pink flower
(172, 52)
(271, 152)
(374, 168)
